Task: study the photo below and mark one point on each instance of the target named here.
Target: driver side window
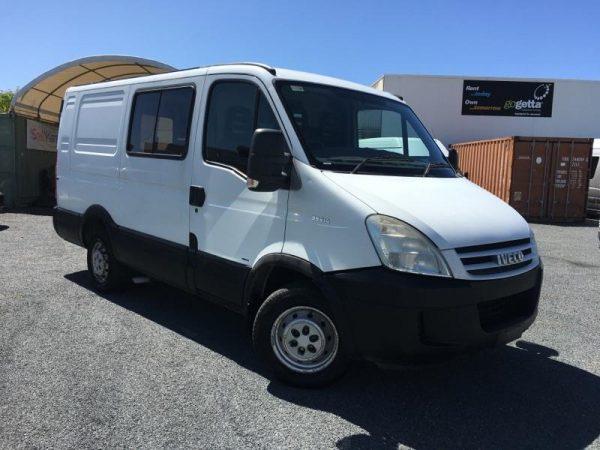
(235, 110)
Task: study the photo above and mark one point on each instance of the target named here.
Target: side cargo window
(235, 110)
(160, 122)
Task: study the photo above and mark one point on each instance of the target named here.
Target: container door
(531, 165)
(568, 186)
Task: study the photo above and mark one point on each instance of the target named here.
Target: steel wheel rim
(304, 339)
(100, 262)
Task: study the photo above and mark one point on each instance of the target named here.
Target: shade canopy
(41, 98)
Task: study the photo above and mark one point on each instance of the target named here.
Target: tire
(296, 335)
(106, 272)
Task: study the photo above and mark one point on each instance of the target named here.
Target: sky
(354, 40)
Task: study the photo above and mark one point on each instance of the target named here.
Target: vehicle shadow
(201, 321)
(505, 398)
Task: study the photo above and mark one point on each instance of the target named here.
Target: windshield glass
(351, 131)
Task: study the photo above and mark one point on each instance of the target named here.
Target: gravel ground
(153, 367)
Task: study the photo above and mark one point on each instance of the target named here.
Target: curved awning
(41, 98)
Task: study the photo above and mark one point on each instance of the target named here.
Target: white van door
(232, 225)
(155, 172)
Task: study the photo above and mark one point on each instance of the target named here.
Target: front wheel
(107, 273)
(296, 335)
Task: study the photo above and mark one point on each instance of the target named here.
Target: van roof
(247, 68)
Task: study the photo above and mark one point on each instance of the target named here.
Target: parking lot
(154, 367)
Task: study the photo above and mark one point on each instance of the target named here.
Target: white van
(321, 209)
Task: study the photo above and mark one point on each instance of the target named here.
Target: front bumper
(394, 316)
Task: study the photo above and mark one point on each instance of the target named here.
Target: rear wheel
(106, 272)
(296, 335)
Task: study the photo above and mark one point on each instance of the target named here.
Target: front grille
(501, 313)
(484, 259)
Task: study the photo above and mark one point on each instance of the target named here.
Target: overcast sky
(355, 40)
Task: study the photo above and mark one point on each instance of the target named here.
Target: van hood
(452, 212)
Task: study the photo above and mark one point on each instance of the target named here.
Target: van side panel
(155, 197)
(97, 133)
(325, 224)
(94, 141)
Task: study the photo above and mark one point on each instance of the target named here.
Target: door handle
(197, 196)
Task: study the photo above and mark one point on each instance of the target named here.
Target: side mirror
(453, 158)
(268, 161)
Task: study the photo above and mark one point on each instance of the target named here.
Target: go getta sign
(507, 98)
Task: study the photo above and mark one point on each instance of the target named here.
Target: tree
(5, 99)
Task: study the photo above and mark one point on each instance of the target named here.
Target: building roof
(41, 98)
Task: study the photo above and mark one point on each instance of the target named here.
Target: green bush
(5, 99)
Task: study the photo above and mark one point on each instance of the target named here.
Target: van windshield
(351, 131)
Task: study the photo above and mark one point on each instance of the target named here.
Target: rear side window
(160, 122)
(235, 110)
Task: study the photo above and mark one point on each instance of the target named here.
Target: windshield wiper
(383, 158)
(433, 165)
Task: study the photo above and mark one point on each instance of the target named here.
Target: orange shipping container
(545, 179)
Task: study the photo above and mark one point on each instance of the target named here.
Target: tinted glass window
(342, 128)
(141, 136)
(172, 126)
(235, 110)
(161, 122)
(383, 129)
(265, 117)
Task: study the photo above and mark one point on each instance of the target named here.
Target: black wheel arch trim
(70, 225)
(258, 277)
(259, 274)
(100, 214)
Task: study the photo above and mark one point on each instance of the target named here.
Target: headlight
(402, 247)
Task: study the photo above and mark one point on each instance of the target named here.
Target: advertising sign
(507, 98)
(41, 136)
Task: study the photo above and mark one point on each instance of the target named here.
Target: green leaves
(5, 99)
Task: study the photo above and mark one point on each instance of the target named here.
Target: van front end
(433, 265)
(419, 260)
(394, 316)
(426, 298)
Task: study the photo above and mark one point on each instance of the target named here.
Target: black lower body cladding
(395, 316)
(68, 225)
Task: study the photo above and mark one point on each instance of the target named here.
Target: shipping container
(545, 179)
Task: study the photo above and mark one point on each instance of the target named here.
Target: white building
(460, 109)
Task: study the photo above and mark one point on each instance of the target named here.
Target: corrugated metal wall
(488, 164)
(21, 168)
(30, 164)
(7, 159)
(545, 179)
